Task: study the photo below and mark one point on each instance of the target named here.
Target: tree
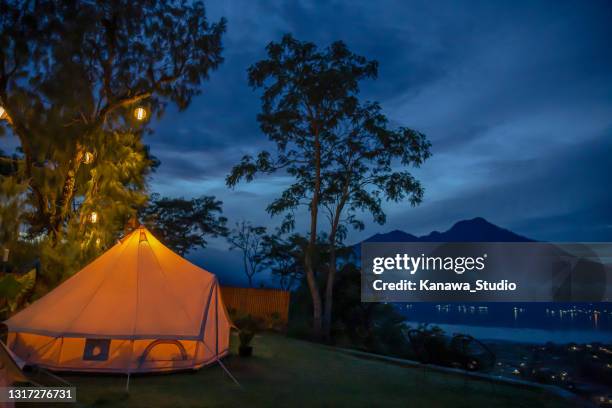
(11, 205)
(71, 74)
(284, 258)
(183, 224)
(375, 327)
(368, 166)
(306, 91)
(250, 240)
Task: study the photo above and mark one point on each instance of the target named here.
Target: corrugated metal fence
(271, 305)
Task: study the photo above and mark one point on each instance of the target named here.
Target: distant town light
(88, 158)
(140, 113)
(93, 217)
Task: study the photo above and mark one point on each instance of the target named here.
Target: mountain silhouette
(475, 230)
(393, 236)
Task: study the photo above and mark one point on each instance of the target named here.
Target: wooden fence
(271, 305)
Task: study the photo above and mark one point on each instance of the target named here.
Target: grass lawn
(287, 372)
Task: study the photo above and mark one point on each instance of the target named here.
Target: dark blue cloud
(507, 92)
(515, 97)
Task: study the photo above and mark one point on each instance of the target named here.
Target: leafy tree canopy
(183, 224)
(72, 74)
(306, 93)
(368, 165)
(284, 258)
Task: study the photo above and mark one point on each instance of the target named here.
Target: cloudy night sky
(516, 98)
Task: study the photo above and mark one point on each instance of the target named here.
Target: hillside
(287, 372)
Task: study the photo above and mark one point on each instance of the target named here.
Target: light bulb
(88, 158)
(140, 113)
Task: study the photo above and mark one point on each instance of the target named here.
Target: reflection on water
(525, 335)
(556, 322)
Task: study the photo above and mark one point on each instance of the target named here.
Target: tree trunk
(331, 274)
(329, 288)
(312, 244)
(63, 206)
(246, 269)
(314, 293)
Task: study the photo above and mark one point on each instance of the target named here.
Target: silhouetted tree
(372, 326)
(367, 165)
(306, 92)
(250, 240)
(183, 224)
(284, 257)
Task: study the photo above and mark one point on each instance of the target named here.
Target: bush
(432, 346)
(248, 326)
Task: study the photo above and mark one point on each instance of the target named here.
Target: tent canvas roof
(137, 289)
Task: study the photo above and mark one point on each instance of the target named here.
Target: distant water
(525, 335)
(521, 322)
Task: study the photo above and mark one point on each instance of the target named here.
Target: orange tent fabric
(139, 307)
(10, 368)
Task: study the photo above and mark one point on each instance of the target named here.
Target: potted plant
(248, 326)
(245, 349)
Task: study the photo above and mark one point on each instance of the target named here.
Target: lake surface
(525, 335)
(520, 322)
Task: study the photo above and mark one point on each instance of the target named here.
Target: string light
(93, 217)
(140, 113)
(88, 158)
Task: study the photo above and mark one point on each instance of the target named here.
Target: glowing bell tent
(137, 308)
(10, 368)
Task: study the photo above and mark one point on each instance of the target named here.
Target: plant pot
(245, 351)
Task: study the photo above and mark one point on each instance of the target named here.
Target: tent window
(96, 349)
